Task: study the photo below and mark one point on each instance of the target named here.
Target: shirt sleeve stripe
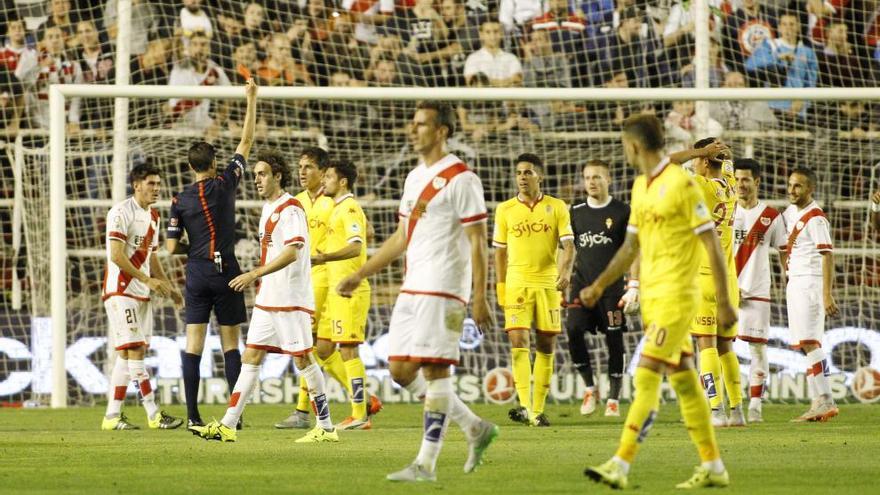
(355, 238)
(704, 227)
(295, 240)
(569, 237)
(499, 244)
(475, 218)
(823, 247)
(117, 235)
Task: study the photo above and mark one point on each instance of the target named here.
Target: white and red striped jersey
(438, 203)
(809, 236)
(138, 228)
(366, 31)
(38, 71)
(10, 57)
(282, 224)
(755, 232)
(195, 113)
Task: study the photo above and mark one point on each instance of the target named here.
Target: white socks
(240, 394)
(315, 380)
(438, 404)
(118, 385)
(138, 373)
(816, 362)
(759, 369)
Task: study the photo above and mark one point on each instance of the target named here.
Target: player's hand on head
(241, 282)
(590, 295)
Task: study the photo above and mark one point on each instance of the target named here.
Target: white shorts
(131, 321)
(425, 329)
(287, 332)
(754, 320)
(806, 310)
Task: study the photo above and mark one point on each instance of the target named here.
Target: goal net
(352, 45)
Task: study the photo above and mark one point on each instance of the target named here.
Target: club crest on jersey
(439, 182)
(799, 225)
(608, 223)
(548, 209)
(355, 227)
(765, 221)
(273, 218)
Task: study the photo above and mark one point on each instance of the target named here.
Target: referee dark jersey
(599, 231)
(205, 210)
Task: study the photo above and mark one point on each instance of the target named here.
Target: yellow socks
(641, 413)
(710, 374)
(522, 376)
(335, 366)
(357, 378)
(543, 372)
(732, 384)
(695, 412)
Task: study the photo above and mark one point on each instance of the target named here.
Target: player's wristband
(875, 207)
(632, 284)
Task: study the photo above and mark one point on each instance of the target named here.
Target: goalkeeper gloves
(499, 293)
(630, 300)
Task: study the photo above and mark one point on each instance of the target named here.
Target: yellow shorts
(704, 323)
(321, 318)
(529, 305)
(666, 322)
(347, 317)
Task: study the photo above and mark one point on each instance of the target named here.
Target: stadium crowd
(478, 43)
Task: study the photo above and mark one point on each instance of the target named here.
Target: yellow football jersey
(720, 197)
(531, 236)
(347, 224)
(318, 216)
(668, 213)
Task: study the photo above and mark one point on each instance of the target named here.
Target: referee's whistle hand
(241, 282)
(590, 295)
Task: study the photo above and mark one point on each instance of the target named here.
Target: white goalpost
(58, 179)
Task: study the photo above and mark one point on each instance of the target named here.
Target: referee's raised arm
(250, 120)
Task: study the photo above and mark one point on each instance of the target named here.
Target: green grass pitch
(43, 451)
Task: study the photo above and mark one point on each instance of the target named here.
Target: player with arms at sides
(810, 263)
(318, 205)
(528, 229)
(713, 173)
(282, 317)
(346, 252)
(757, 228)
(205, 210)
(132, 275)
(599, 227)
(668, 226)
(442, 232)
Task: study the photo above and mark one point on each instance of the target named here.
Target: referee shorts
(208, 290)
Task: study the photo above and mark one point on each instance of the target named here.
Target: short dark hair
(141, 171)
(702, 143)
(806, 172)
(445, 114)
(749, 164)
(595, 162)
(201, 156)
(317, 155)
(346, 170)
(631, 12)
(531, 158)
(278, 164)
(647, 129)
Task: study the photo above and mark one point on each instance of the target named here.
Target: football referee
(205, 210)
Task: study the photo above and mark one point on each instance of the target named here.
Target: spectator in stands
(842, 65)
(681, 126)
(343, 51)
(678, 33)
(741, 115)
(631, 47)
(502, 68)
(788, 62)
(367, 14)
(95, 60)
(855, 117)
(10, 105)
(227, 36)
(817, 15)
(389, 46)
(144, 20)
(279, 68)
(51, 66)
(464, 36)
(197, 69)
(544, 68)
(311, 38)
(388, 117)
(610, 115)
(256, 27)
(745, 29)
(151, 67)
(516, 15)
(489, 119)
(194, 19)
(341, 120)
(426, 38)
(717, 68)
(566, 30)
(245, 61)
(15, 47)
(60, 16)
